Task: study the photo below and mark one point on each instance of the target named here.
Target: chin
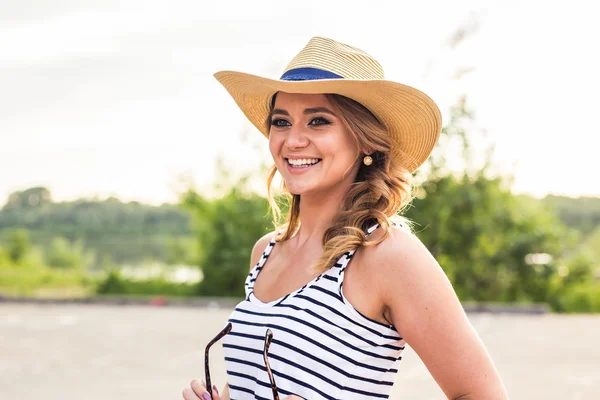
(299, 189)
(299, 192)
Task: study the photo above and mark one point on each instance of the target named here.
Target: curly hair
(379, 192)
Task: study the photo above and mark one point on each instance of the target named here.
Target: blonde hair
(379, 192)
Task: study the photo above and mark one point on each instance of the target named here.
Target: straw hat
(327, 66)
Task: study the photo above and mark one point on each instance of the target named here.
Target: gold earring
(368, 160)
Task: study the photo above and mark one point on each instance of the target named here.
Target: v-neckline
(258, 269)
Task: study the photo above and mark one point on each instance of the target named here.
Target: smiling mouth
(303, 162)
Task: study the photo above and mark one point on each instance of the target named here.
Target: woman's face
(311, 147)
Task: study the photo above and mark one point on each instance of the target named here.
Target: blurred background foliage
(495, 246)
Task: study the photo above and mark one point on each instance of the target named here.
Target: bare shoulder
(401, 251)
(259, 247)
(409, 277)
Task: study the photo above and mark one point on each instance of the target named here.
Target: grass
(45, 282)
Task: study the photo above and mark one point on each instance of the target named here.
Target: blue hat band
(308, 74)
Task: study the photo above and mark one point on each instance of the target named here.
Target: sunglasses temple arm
(268, 338)
(219, 336)
(207, 372)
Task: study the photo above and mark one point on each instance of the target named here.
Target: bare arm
(422, 304)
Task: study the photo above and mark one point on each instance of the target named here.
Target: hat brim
(412, 118)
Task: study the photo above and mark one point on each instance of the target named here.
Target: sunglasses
(220, 335)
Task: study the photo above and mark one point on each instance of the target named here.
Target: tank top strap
(347, 257)
(344, 260)
(251, 278)
(335, 273)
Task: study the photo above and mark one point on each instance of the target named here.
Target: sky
(117, 98)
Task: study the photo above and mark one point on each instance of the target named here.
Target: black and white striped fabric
(322, 348)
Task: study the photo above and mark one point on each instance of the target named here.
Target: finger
(200, 389)
(198, 386)
(188, 394)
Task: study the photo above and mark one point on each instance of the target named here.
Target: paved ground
(95, 352)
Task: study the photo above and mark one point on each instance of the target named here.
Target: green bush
(18, 244)
(226, 229)
(115, 283)
(19, 281)
(582, 298)
(66, 255)
(5, 260)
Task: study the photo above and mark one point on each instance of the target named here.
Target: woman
(345, 288)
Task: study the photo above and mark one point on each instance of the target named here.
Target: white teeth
(303, 161)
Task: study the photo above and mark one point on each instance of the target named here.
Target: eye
(319, 121)
(279, 122)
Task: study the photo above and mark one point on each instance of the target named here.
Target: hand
(197, 391)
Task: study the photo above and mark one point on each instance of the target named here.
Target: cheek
(348, 149)
(339, 145)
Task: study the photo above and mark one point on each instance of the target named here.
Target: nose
(296, 138)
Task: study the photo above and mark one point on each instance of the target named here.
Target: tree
(227, 229)
(18, 244)
(128, 232)
(30, 198)
(66, 255)
(581, 213)
(483, 236)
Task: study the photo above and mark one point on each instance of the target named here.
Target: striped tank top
(322, 347)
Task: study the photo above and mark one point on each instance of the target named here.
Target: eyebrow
(313, 110)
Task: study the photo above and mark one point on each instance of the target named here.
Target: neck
(316, 215)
